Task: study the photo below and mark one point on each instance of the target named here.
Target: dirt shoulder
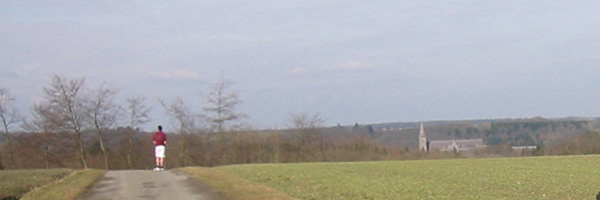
(233, 187)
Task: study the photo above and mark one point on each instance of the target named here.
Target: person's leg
(160, 156)
(156, 156)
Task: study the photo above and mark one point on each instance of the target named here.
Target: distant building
(447, 145)
(456, 145)
(521, 148)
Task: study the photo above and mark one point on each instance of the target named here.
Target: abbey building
(447, 145)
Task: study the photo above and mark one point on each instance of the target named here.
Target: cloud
(298, 70)
(348, 66)
(179, 74)
(351, 65)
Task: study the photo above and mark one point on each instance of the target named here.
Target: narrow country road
(139, 184)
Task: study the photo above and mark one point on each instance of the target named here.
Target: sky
(349, 61)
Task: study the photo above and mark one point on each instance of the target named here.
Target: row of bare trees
(78, 127)
(71, 109)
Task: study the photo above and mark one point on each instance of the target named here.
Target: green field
(15, 183)
(567, 177)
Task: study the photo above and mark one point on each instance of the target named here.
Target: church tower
(422, 139)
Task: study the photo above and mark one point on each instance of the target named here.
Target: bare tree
(137, 114)
(9, 117)
(308, 135)
(103, 112)
(185, 121)
(65, 98)
(45, 121)
(221, 105)
(306, 121)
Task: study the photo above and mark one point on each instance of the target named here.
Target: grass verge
(68, 188)
(232, 187)
(15, 183)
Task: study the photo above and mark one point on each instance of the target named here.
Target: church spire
(422, 139)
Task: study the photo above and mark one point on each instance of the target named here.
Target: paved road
(138, 184)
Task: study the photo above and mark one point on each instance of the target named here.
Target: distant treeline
(524, 132)
(335, 144)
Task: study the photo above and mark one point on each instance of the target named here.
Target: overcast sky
(351, 61)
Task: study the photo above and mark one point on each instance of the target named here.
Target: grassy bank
(15, 183)
(67, 188)
(569, 177)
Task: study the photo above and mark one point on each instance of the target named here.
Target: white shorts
(159, 151)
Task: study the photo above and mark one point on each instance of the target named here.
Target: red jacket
(159, 138)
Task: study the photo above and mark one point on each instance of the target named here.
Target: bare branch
(102, 109)
(137, 113)
(8, 114)
(221, 105)
(181, 115)
(305, 121)
(63, 95)
(45, 118)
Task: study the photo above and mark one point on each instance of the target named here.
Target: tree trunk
(11, 152)
(81, 152)
(276, 150)
(183, 151)
(103, 151)
(46, 157)
(129, 149)
(1, 165)
(8, 149)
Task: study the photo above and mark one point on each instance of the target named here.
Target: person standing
(160, 141)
